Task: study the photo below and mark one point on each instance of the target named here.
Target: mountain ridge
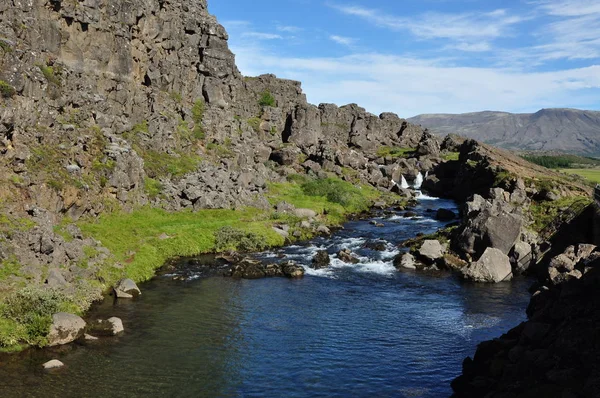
(550, 129)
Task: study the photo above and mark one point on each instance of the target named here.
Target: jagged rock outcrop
(111, 106)
(555, 353)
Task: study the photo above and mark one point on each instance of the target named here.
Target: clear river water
(363, 330)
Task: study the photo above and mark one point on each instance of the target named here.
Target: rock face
(553, 354)
(104, 94)
(65, 329)
(493, 267)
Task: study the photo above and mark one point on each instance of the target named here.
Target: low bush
(6, 90)
(266, 99)
(229, 238)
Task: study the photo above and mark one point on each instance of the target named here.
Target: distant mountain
(566, 130)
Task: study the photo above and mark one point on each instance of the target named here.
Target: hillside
(566, 130)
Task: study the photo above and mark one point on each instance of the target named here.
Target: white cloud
(288, 29)
(471, 47)
(460, 26)
(570, 8)
(345, 41)
(409, 86)
(262, 36)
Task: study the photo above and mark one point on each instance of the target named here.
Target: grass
(6, 90)
(451, 156)
(51, 75)
(191, 233)
(394, 152)
(562, 161)
(592, 175)
(160, 164)
(197, 116)
(544, 213)
(255, 122)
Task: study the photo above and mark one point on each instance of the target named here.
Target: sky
(424, 56)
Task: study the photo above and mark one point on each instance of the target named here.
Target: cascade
(418, 181)
(404, 183)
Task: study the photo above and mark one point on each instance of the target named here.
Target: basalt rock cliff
(112, 105)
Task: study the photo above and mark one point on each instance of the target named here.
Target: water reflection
(353, 331)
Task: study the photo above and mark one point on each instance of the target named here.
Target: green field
(592, 175)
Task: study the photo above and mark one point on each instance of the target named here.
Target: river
(359, 330)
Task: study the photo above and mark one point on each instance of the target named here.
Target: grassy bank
(592, 175)
(143, 240)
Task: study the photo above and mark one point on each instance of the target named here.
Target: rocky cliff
(107, 106)
(565, 130)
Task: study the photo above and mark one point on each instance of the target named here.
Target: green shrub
(160, 164)
(336, 191)
(266, 99)
(6, 90)
(33, 308)
(228, 238)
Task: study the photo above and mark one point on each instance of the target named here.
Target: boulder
(490, 228)
(521, 257)
(346, 256)
(492, 267)
(109, 327)
(126, 288)
(305, 213)
(431, 251)
(273, 270)
(65, 329)
(563, 263)
(55, 279)
(445, 215)
(323, 230)
(284, 234)
(321, 260)
(53, 364)
(292, 270)
(405, 261)
(377, 245)
(248, 268)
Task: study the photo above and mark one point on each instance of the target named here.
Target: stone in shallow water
(65, 328)
(53, 364)
(126, 288)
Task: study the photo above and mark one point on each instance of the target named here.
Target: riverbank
(363, 327)
(142, 241)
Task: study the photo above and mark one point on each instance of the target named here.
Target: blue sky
(424, 56)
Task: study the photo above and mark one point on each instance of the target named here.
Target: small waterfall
(418, 181)
(404, 183)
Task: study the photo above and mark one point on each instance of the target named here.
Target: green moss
(175, 96)
(394, 152)
(9, 267)
(161, 164)
(152, 187)
(255, 122)
(6, 90)
(4, 46)
(266, 99)
(197, 116)
(451, 156)
(544, 213)
(50, 74)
